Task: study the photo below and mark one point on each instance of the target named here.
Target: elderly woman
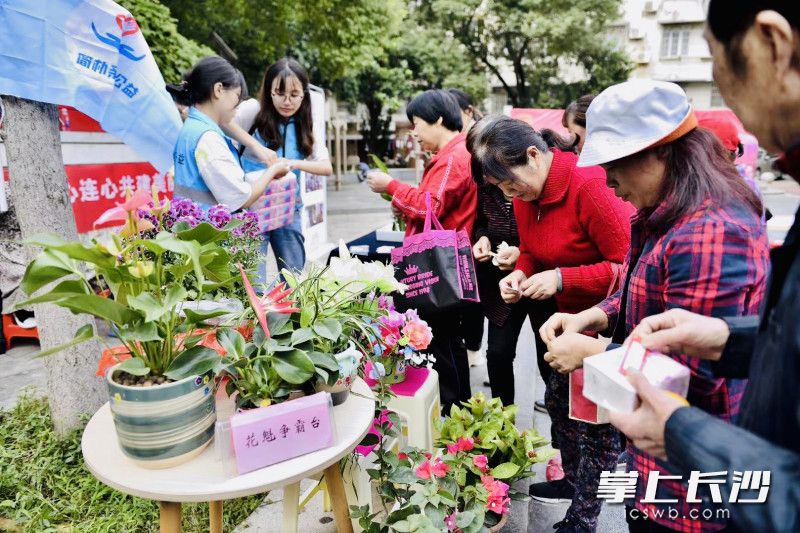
(436, 120)
(572, 231)
(696, 243)
(574, 119)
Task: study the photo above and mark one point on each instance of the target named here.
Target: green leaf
(46, 268)
(370, 439)
(324, 360)
(74, 250)
(83, 334)
(404, 475)
(306, 315)
(232, 341)
(299, 336)
(176, 294)
(197, 360)
(134, 366)
(294, 367)
(279, 324)
(203, 233)
(190, 249)
(149, 305)
(100, 307)
(146, 331)
(328, 328)
(464, 518)
(65, 289)
(505, 470)
(196, 317)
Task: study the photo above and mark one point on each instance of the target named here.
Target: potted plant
(160, 379)
(397, 341)
(433, 494)
(490, 430)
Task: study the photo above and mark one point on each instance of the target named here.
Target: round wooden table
(202, 479)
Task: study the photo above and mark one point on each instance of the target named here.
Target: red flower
(402, 456)
(440, 468)
(273, 302)
(452, 449)
(481, 462)
(111, 357)
(465, 444)
(424, 471)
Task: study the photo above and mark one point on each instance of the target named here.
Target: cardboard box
(606, 384)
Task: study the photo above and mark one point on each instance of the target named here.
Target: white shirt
(246, 116)
(221, 172)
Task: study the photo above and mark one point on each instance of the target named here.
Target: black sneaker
(538, 405)
(569, 526)
(552, 491)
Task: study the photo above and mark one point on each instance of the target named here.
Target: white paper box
(388, 234)
(605, 385)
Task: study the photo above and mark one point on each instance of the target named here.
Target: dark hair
(434, 104)
(499, 143)
(730, 20)
(698, 167)
(577, 110)
(268, 120)
(466, 103)
(198, 83)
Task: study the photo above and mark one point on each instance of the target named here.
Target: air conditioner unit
(650, 7)
(635, 34)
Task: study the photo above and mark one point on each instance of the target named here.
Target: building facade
(664, 39)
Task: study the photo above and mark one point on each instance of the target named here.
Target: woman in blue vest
(281, 121)
(207, 168)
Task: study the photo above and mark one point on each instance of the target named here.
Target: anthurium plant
(145, 273)
(487, 428)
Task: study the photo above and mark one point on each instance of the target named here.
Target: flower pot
(163, 425)
(348, 370)
(499, 525)
(396, 373)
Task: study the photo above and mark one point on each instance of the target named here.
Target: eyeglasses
(290, 97)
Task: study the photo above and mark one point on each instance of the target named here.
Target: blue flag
(91, 55)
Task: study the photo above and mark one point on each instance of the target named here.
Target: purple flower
(219, 216)
(384, 303)
(192, 221)
(393, 320)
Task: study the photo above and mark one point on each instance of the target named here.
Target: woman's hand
(482, 249)
(263, 154)
(279, 168)
(509, 287)
(566, 353)
(507, 259)
(592, 319)
(540, 286)
(378, 181)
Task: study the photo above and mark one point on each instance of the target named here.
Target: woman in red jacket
(436, 119)
(573, 232)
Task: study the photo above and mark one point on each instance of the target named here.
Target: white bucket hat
(632, 116)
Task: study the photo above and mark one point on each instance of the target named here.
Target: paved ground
(354, 211)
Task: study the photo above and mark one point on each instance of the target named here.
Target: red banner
(70, 119)
(95, 188)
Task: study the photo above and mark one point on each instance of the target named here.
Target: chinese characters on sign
(617, 487)
(102, 68)
(269, 435)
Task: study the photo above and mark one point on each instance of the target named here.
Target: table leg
(170, 517)
(215, 517)
(341, 511)
(291, 501)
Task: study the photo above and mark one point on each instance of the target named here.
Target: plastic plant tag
(269, 435)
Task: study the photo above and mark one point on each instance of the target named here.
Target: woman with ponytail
(572, 231)
(207, 168)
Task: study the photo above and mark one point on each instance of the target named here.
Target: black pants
(472, 326)
(503, 346)
(451, 358)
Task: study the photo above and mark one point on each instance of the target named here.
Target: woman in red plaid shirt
(697, 243)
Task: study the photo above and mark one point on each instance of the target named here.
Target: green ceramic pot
(163, 425)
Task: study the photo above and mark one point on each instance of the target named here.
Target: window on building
(674, 43)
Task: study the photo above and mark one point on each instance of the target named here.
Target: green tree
(531, 46)
(174, 53)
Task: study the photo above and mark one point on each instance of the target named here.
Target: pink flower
(498, 504)
(452, 449)
(424, 471)
(273, 302)
(481, 462)
(440, 468)
(132, 203)
(494, 486)
(450, 521)
(419, 334)
(465, 444)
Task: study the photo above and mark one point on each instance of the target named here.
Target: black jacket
(766, 350)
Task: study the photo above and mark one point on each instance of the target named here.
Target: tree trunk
(41, 197)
